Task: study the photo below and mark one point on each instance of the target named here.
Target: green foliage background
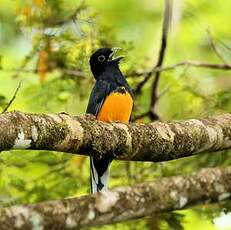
(30, 27)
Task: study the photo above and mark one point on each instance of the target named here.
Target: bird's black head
(102, 58)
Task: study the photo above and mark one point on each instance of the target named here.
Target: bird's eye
(101, 58)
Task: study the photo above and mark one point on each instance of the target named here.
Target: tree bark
(84, 135)
(173, 193)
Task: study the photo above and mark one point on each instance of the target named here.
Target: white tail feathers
(98, 184)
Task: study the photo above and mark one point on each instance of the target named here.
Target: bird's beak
(114, 51)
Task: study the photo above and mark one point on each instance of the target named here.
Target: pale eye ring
(101, 58)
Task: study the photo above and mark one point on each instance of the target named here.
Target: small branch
(154, 93)
(192, 63)
(165, 28)
(25, 61)
(19, 70)
(63, 70)
(122, 204)
(161, 94)
(74, 72)
(13, 98)
(158, 141)
(154, 115)
(202, 65)
(214, 47)
(225, 45)
(146, 114)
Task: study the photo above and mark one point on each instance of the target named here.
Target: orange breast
(116, 107)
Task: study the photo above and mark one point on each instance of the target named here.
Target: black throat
(100, 71)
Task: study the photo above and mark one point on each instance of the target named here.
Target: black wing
(98, 167)
(97, 97)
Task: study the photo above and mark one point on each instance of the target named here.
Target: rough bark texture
(156, 141)
(205, 186)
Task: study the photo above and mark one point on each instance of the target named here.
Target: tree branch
(13, 98)
(72, 72)
(166, 23)
(193, 63)
(141, 116)
(165, 28)
(214, 47)
(173, 193)
(84, 135)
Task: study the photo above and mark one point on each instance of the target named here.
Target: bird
(111, 100)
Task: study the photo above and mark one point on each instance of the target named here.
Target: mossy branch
(84, 135)
(121, 204)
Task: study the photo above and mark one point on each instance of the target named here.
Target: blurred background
(46, 44)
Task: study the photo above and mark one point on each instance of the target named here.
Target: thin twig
(63, 70)
(147, 114)
(166, 23)
(141, 116)
(25, 61)
(224, 45)
(165, 28)
(19, 70)
(193, 63)
(74, 72)
(13, 98)
(161, 94)
(214, 47)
